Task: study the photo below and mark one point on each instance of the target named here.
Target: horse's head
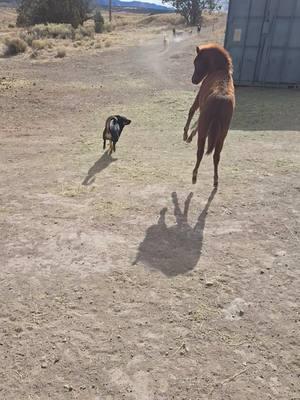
(210, 58)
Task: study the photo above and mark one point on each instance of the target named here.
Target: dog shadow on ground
(176, 249)
(104, 161)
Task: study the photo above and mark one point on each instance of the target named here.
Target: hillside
(135, 5)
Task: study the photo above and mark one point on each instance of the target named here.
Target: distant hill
(134, 5)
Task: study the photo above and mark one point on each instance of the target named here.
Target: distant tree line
(31, 12)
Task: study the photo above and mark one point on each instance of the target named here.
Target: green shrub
(99, 22)
(31, 12)
(14, 46)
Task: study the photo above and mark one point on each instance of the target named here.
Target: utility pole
(109, 10)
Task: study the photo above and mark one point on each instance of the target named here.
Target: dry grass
(125, 29)
(61, 53)
(162, 20)
(14, 46)
(40, 44)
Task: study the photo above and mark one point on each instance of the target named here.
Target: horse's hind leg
(200, 151)
(217, 154)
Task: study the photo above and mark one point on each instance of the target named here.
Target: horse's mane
(221, 59)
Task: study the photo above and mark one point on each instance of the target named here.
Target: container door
(281, 54)
(245, 29)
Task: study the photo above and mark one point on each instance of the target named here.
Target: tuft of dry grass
(34, 54)
(14, 46)
(61, 53)
(39, 44)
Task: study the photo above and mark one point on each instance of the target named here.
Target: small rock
(241, 313)
(44, 365)
(262, 272)
(166, 353)
(68, 388)
(209, 283)
(18, 329)
(56, 360)
(82, 387)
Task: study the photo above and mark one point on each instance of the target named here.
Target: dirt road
(118, 278)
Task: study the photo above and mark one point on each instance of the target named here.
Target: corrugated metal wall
(263, 37)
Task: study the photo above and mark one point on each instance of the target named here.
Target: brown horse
(216, 100)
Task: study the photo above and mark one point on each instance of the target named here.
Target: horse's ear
(198, 49)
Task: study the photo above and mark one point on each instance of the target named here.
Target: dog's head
(122, 121)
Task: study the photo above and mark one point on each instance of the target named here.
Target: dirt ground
(119, 279)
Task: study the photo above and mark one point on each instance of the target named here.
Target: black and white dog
(113, 129)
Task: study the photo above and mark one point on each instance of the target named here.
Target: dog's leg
(110, 148)
(104, 139)
(192, 111)
(192, 134)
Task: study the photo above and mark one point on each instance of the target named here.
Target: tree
(192, 10)
(31, 12)
(99, 22)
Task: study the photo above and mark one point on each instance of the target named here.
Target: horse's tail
(218, 122)
(214, 132)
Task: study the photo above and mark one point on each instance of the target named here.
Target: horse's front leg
(192, 111)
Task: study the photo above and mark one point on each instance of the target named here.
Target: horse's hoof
(189, 139)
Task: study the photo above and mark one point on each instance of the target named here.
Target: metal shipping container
(263, 38)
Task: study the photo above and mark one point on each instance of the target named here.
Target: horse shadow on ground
(176, 249)
(104, 161)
